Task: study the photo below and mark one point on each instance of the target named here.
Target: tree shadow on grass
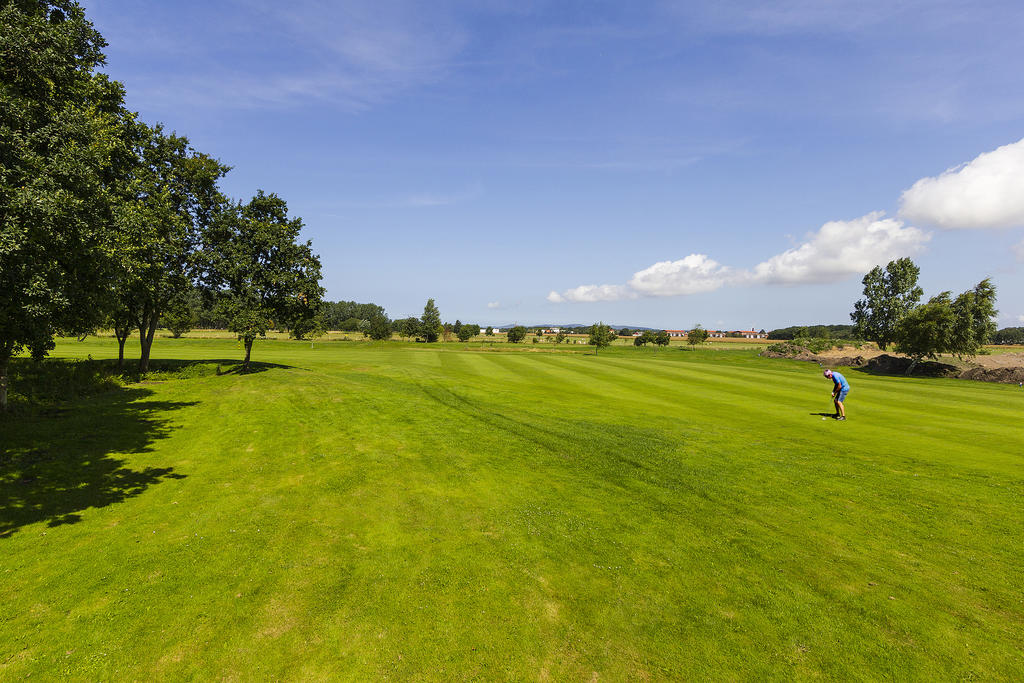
(205, 367)
(58, 462)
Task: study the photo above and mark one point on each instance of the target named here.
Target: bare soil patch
(1000, 367)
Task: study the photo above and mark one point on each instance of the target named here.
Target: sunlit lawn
(364, 510)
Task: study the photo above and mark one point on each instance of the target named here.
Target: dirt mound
(796, 352)
(1004, 375)
(897, 365)
(791, 351)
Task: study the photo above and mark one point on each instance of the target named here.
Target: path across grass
(362, 511)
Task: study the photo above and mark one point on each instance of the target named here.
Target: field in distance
(440, 511)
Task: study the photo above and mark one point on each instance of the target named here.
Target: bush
(819, 344)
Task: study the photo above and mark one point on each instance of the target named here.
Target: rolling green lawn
(364, 511)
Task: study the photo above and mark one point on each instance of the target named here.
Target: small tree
(661, 338)
(560, 337)
(408, 327)
(465, 333)
(600, 336)
(380, 328)
(490, 331)
(646, 337)
(430, 322)
(698, 335)
(517, 334)
(258, 270)
(888, 296)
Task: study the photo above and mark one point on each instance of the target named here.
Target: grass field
(364, 511)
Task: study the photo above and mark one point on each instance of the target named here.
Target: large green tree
(430, 322)
(261, 274)
(943, 325)
(927, 330)
(698, 335)
(889, 295)
(60, 156)
(171, 200)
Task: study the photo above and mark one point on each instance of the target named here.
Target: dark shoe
(840, 418)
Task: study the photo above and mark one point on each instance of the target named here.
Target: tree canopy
(261, 274)
(516, 334)
(943, 325)
(601, 335)
(171, 198)
(61, 158)
(698, 335)
(889, 295)
(430, 322)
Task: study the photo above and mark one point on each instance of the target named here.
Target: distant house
(553, 330)
(676, 333)
(751, 334)
(716, 334)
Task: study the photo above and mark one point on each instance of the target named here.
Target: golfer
(840, 389)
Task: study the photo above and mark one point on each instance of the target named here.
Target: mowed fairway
(443, 512)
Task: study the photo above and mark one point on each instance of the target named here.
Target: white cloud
(691, 275)
(837, 250)
(494, 304)
(591, 293)
(840, 249)
(987, 192)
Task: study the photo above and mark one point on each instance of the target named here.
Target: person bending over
(840, 388)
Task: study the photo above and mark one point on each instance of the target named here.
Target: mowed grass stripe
(417, 520)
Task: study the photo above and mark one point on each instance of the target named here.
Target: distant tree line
(110, 222)
(818, 331)
(1009, 335)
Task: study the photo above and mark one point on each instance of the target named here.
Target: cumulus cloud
(987, 192)
(691, 275)
(836, 251)
(840, 249)
(591, 293)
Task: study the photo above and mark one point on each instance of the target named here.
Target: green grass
(362, 511)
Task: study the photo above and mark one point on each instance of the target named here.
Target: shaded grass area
(414, 511)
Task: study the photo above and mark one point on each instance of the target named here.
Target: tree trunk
(248, 352)
(146, 334)
(4, 365)
(913, 364)
(122, 336)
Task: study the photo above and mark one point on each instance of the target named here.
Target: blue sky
(664, 164)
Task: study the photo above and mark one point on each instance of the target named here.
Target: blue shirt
(840, 381)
